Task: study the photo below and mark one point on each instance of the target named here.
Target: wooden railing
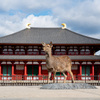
(43, 79)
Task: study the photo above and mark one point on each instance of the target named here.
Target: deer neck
(48, 54)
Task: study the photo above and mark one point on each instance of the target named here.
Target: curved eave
(98, 44)
(42, 58)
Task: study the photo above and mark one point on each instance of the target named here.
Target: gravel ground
(35, 93)
(68, 86)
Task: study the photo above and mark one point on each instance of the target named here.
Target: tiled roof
(32, 58)
(56, 35)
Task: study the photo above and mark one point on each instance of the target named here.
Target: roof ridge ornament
(28, 26)
(64, 26)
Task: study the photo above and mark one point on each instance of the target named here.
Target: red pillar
(92, 71)
(80, 71)
(68, 76)
(25, 71)
(99, 74)
(0, 68)
(39, 70)
(13, 71)
(0, 72)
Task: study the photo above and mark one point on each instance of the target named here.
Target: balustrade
(37, 50)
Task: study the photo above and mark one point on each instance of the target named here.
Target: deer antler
(51, 44)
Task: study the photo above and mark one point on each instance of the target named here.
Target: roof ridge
(46, 27)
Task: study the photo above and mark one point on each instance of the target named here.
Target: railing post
(43, 78)
(16, 79)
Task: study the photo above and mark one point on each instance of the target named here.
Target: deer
(57, 63)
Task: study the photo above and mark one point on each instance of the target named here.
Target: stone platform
(68, 86)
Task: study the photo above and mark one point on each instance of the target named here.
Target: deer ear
(51, 44)
(43, 43)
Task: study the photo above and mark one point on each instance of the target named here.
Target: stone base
(68, 86)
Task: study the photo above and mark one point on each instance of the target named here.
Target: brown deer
(57, 64)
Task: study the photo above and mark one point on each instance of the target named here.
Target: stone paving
(68, 86)
(35, 93)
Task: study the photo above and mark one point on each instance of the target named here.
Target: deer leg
(70, 72)
(49, 75)
(64, 77)
(54, 77)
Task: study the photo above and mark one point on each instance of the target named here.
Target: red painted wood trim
(80, 69)
(93, 68)
(13, 69)
(39, 70)
(0, 69)
(25, 69)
